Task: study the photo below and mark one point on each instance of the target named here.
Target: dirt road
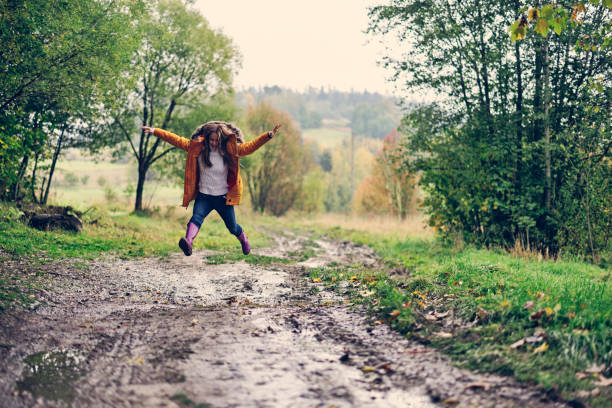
(200, 332)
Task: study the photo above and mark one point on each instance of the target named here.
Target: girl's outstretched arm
(169, 137)
(249, 147)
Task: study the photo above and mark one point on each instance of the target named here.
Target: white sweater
(213, 180)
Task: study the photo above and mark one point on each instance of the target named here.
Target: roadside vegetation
(543, 321)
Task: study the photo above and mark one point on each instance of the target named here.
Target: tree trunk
(33, 181)
(56, 154)
(485, 71)
(546, 123)
(519, 101)
(142, 173)
(537, 95)
(588, 216)
(22, 169)
(352, 175)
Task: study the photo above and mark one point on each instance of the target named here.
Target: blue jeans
(205, 203)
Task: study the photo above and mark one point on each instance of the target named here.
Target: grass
(261, 260)
(98, 178)
(381, 226)
(327, 137)
(121, 234)
(558, 315)
(183, 401)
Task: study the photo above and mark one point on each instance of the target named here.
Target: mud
(180, 332)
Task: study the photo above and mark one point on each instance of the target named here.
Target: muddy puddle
(182, 332)
(50, 374)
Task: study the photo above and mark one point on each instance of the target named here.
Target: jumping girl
(212, 174)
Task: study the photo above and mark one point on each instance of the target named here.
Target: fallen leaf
(194, 322)
(441, 315)
(595, 392)
(384, 366)
(430, 317)
(534, 339)
(581, 376)
(603, 381)
(581, 331)
(444, 335)
(368, 369)
(484, 385)
(548, 311)
(594, 369)
(537, 315)
(394, 315)
(528, 305)
(541, 349)
(583, 394)
(138, 360)
(451, 401)
(419, 351)
(517, 344)
(316, 280)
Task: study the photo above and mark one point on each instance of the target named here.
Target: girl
(212, 174)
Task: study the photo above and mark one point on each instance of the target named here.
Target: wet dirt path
(182, 332)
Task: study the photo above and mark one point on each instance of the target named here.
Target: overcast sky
(296, 43)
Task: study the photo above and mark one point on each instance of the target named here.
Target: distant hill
(328, 113)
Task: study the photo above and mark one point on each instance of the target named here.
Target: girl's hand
(273, 132)
(147, 129)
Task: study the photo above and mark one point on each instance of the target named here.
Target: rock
(45, 222)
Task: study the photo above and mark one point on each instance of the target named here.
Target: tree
(400, 181)
(181, 62)
(274, 176)
(59, 57)
(391, 187)
(373, 120)
(312, 193)
(494, 153)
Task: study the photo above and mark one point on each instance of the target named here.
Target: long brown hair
(224, 130)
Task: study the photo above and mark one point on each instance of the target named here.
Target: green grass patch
(562, 310)
(185, 402)
(17, 288)
(121, 234)
(262, 260)
(327, 137)
(232, 257)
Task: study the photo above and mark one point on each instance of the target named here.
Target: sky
(296, 43)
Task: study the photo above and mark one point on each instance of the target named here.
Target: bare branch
(127, 136)
(162, 154)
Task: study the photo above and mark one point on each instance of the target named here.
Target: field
(327, 137)
(82, 181)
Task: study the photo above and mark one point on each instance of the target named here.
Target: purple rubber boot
(246, 248)
(186, 243)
